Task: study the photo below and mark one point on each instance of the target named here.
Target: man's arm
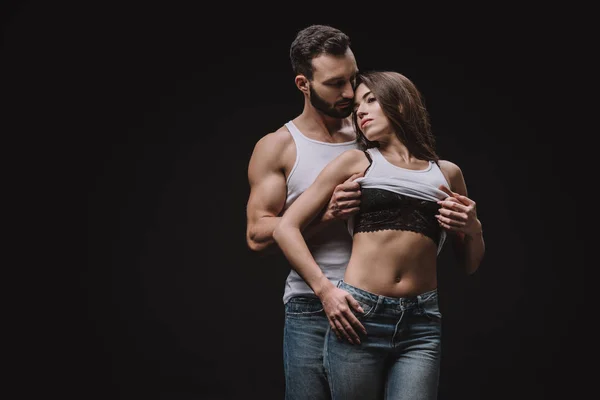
(267, 190)
(268, 193)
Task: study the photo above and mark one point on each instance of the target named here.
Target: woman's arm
(288, 235)
(458, 215)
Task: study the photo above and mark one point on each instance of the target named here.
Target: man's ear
(302, 83)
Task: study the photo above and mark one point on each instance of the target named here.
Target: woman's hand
(458, 214)
(338, 305)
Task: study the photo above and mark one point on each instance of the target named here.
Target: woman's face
(370, 117)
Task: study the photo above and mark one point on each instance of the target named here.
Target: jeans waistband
(394, 302)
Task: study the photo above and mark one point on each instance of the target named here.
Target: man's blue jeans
(399, 358)
(303, 341)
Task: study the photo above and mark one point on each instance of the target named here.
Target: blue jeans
(399, 358)
(303, 341)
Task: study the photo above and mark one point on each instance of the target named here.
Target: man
(283, 164)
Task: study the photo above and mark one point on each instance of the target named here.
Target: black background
(140, 120)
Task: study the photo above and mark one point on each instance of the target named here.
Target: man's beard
(326, 108)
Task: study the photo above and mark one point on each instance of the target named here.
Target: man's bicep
(265, 202)
(267, 195)
(268, 188)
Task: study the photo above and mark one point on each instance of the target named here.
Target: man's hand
(337, 304)
(458, 214)
(345, 200)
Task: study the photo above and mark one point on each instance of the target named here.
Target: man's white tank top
(330, 246)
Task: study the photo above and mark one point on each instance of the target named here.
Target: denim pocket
(302, 306)
(432, 310)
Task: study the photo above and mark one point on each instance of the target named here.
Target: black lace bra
(381, 209)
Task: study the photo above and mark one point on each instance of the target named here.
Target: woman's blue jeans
(398, 359)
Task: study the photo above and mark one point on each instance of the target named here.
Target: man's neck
(319, 126)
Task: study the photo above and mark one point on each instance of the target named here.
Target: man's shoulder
(273, 146)
(280, 137)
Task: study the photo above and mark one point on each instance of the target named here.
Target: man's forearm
(260, 237)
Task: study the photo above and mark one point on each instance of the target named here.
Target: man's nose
(348, 92)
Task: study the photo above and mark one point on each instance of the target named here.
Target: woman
(410, 200)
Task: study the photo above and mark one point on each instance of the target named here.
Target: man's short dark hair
(313, 41)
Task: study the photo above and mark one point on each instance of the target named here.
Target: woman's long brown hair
(403, 104)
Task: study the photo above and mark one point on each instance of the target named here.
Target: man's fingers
(347, 212)
(348, 187)
(349, 183)
(347, 195)
(348, 204)
(354, 176)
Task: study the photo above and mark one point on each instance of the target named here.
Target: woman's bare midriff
(392, 263)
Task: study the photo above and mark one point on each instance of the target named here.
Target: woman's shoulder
(449, 168)
(354, 154)
(349, 162)
(452, 173)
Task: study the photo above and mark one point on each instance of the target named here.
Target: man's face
(332, 86)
